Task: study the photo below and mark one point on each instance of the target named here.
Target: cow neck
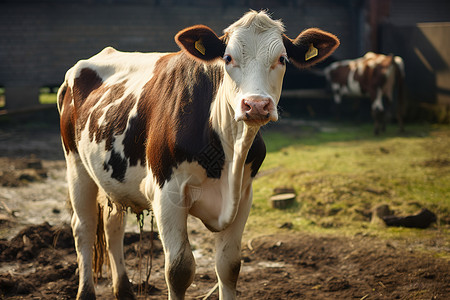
(236, 138)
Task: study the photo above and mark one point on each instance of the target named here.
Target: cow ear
(201, 43)
(310, 47)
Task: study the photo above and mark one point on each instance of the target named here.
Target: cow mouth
(258, 120)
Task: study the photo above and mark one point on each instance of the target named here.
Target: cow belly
(126, 191)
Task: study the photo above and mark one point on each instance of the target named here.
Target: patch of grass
(47, 96)
(341, 173)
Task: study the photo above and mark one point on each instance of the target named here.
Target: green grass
(47, 96)
(340, 172)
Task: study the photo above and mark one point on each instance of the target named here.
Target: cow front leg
(228, 250)
(114, 224)
(171, 214)
(378, 111)
(379, 117)
(83, 198)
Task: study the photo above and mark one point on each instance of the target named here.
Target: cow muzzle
(257, 111)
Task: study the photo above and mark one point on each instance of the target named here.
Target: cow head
(254, 51)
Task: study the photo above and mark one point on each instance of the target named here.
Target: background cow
(373, 75)
(177, 133)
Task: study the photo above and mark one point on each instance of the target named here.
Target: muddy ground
(38, 261)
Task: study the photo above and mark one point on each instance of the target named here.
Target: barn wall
(437, 57)
(419, 31)
(40, 41)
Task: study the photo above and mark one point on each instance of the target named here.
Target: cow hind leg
(114, 224)
(83, 194)
(171, 217)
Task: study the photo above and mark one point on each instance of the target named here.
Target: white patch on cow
(378, 103)
(91, 153)
(118, 144)
(336, 87)
(131, 194)
(359, 66)
(255, 48)
(400, 64)
(370, 55)
(353, 85)
(115, 66)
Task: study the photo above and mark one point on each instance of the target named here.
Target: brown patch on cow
(365, 79)
(374, 77)
(116, 117)
(340, 75)
(380, 71)
(84, 84)
(67, 121)
(175, 106)
(387, 61)
(84, 110)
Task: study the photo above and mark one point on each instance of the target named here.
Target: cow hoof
(86, 294)
(124, 290)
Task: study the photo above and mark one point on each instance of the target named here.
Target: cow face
(254, 52)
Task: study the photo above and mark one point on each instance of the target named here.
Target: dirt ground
(38, 260)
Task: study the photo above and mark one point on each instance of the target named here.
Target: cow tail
(100, 253)
(401, 97)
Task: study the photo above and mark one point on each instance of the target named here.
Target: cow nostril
(246, 106)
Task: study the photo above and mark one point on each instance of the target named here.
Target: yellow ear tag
(312, 52)
(199, 46)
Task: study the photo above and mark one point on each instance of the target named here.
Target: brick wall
(40, 41)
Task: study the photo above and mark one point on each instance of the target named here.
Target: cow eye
(283, 60)
(227, 58)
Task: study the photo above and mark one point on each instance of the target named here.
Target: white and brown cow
(177, 133)
(373, 75)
